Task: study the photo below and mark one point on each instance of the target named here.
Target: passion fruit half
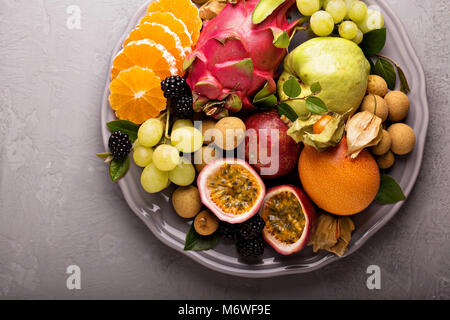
(231, 189)
(289, 216)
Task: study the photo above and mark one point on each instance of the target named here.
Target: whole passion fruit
(289, 216)
(231, 189)
(268, 148)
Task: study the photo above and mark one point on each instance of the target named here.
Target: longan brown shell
(384, 146)
(403, 138)
(398, 104)
(386, 160)
(381, 110)
(205, 223)
(204, 156)
(208, 127)
(377, 85)
(232, 130)
(186, 201)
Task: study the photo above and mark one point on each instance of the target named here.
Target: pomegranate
(289, 216)
(268, 148)
(231, 189)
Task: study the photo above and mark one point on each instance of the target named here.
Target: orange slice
(184, 10)
(136, 95)
(160, 34)
(147, 54)
(175, 24)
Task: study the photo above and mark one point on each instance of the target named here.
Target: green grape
(348, 30)
(150, 132)
(359, 37)
(183, 174)
(308, 7)
(154, 180)
(348, 3)
(187, 139)
(357, 11)
(142, 156)
(166, 157)
(337, 9)
(373, 20)
(322, 23)
(182, 123)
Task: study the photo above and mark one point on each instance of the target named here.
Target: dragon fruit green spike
(235, 58)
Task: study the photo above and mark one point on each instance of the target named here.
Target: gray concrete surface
(57, 206)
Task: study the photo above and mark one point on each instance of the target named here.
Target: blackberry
(174, 86)
(253, 248)
(251, 228)
(183, 106)
(228, 230)
(120, 145)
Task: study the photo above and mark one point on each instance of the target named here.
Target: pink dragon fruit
(235, 58)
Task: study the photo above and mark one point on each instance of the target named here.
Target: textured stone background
(57, 206)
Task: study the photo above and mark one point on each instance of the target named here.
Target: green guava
(339, 65)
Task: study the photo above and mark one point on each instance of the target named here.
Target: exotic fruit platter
(264, 137)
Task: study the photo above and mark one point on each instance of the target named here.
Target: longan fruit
(208, 154)
(205, 223)
(384, 145)
(377, 85)
(386, 160)
(231, 133)
(403, 138)
(208, 127)
(398, 104)
(186, 201)
(381, 110)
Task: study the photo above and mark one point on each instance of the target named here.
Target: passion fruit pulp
(231, 189)
(289, 217)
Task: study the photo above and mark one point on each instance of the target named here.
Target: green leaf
(316, 88)
(117, 169)
(125, 126)
(196, 242)
(285, 110)
(281, 39)
(315, 105)
(264, 8)
(266, 102)
(374, 41)
(404, 85)
(103, 155)
(292, 88)
(390, 192)
(386, 70)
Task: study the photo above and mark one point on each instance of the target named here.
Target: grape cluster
(351, 17)
(161, 161)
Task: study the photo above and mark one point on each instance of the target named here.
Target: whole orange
(337, 183)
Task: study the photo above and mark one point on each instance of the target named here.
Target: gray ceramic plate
(157, 213)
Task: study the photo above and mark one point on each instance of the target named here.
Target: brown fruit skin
(384, 146)
(232, 131)
(186, 201)
(403, 138)
(335, 182)
(386, 161)
(368, 104)
(208, 154)
(208, 127)
(205, 223)
(377, 85)
(398, 104)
